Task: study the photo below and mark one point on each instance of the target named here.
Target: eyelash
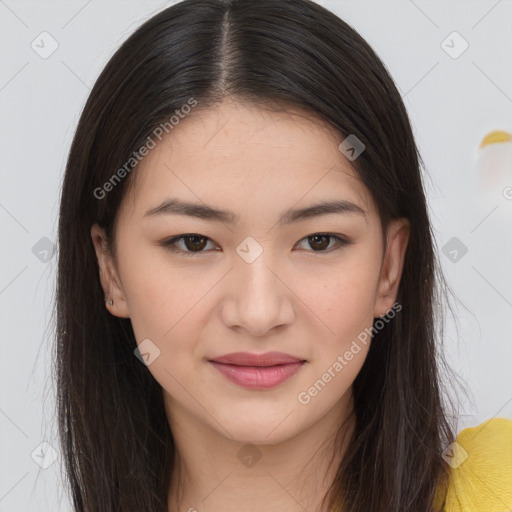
(169, 243)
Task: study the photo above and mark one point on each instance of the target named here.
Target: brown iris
(319, 241)
(198, 242)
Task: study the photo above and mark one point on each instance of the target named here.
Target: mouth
(257, 371)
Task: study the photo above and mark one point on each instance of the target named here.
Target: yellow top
(481, 469)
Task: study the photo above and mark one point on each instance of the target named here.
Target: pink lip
(257, 371)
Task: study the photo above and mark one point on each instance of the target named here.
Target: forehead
(246, 155)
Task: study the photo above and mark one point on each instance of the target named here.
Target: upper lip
(249, 359)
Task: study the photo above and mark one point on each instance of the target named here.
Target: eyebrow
(175, 206)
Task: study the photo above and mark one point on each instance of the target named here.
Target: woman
(248, 288)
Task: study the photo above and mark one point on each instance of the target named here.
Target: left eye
(194, 243)
(320, 241)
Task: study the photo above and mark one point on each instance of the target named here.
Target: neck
(212, 472)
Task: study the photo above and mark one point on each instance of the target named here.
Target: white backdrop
(51, 54)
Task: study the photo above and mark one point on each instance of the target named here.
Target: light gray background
(453, 103)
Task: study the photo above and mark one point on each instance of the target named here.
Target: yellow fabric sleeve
(481, 469)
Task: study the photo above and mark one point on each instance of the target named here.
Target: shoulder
(481, 469)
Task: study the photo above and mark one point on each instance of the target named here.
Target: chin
(262, 437)
(259, 429)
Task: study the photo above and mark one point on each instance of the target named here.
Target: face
(270, 275)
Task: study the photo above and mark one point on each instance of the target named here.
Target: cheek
(342, 341)
(341, 308)
(166, 308)
(343, 296)
(160, 297)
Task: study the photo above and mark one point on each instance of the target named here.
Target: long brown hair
(116, 440)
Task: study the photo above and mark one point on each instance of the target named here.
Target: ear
(392, 266)
(109, 278)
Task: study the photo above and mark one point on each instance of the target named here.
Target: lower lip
(258, 377)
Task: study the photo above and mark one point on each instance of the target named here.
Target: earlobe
(115, 299)
(392, 267)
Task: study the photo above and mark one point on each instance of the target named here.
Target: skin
(307, 300)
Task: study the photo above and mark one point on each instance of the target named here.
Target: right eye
(191, 243)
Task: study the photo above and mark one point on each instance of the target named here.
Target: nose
(259, 298)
